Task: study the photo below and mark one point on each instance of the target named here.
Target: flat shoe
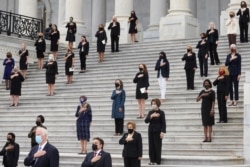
(235, 103)
(11, 105)
(151, 163)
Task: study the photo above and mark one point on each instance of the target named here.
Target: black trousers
(234, 83)
(114, 43)
(83, 61)
(213, 53)
(222, 106)
(203, 66)
(231, 39)
(155, 144)
(243, 32)
(131, 162)
(119, 125)
(190, 78)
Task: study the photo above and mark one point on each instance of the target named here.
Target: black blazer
(114, 30)
(50, 159)
(40, 46)
(85, 48)
(190, 61)
(213, 37)
(101, 36)
(163, 69)
(141, 82)
(203, 49)
(105, 160)
(132, 149)
(156, 124)
(234, 66)
(51, 68)
(223, 85)
(10, 157)
(244, 18)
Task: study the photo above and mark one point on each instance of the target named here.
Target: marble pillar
(123, 9)
(28, 10)
(98, 16)
(179, 23)
(158, 9)
(246, 144)
(234, 5)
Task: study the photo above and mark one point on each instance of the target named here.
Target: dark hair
(9, 55)
(164, 56)
(243, 4)
(157, 102)
(100, 140)
(55, 26)
(83, 36)
(121, 83)
(207, 80)
(50, 25)
(71, 18)
(41, 117)
(203, 34)
(133, 12)
(12, 135)
(145, 68)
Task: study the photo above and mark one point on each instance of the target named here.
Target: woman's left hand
(161, 135)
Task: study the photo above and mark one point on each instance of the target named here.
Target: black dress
(141, 83)
(206, 107)
(51, 72)
(16, 84)
(54, 39)
(68, 64)
(40, 48)
(101, 40)
(71, 32)
(132, 25)
(23, 59)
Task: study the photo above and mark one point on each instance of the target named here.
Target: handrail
(20, 25)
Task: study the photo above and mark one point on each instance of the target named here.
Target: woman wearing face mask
(223, 85)
(51, 74)
(162, 68)
(142, 83)
(132, 150)
(156, 131)
(243, 12)
(190, 67)
(207, 109)
(118, 109)
(233, 62)
(54, 37)
(133, 20)
(9, 64)
(83, 122)
(71, 32)
(23, 62)
(231, 28)
(69, 65)
(40, 50)
(203, 55)
(101, 42)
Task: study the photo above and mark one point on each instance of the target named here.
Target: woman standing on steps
(142, 83)
(83, 122)
(69, 65)
(9, 64)
(23, 62)
(207, 109)
(51, 74)
(54, 37)
(83, 47)
(101, 42)
(40, 50)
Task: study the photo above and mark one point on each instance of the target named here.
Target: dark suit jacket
(85, 48)
(156, 124)
(50, 159)
(223, 85)
(40, 46)
(190, 61)
(132, 149)
(213, 37)
(105, 160)
(244, 18)
(114, 30)
(10, 157)
(163, 69)
(203, 49)
(234, 66)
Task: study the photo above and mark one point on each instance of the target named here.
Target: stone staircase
(182, 145)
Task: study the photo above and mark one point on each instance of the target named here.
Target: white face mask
(154, 107)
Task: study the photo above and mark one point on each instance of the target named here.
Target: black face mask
(130, 131)
(94, 147)
(38, 123)
(188, 50)
(231, 16)
(141, 69)
(203, 37)
(117, 85)
(9, 140)
(207, 86)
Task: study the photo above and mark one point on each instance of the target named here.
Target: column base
(151, 34)
(178, 27)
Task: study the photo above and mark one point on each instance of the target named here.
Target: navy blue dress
(9, 65)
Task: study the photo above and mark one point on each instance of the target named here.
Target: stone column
(98, 15)
(123, 9)
(73, 9)
(247, 118)
(28, 8)
(179, 23)
(158, 9)
(234, 5)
